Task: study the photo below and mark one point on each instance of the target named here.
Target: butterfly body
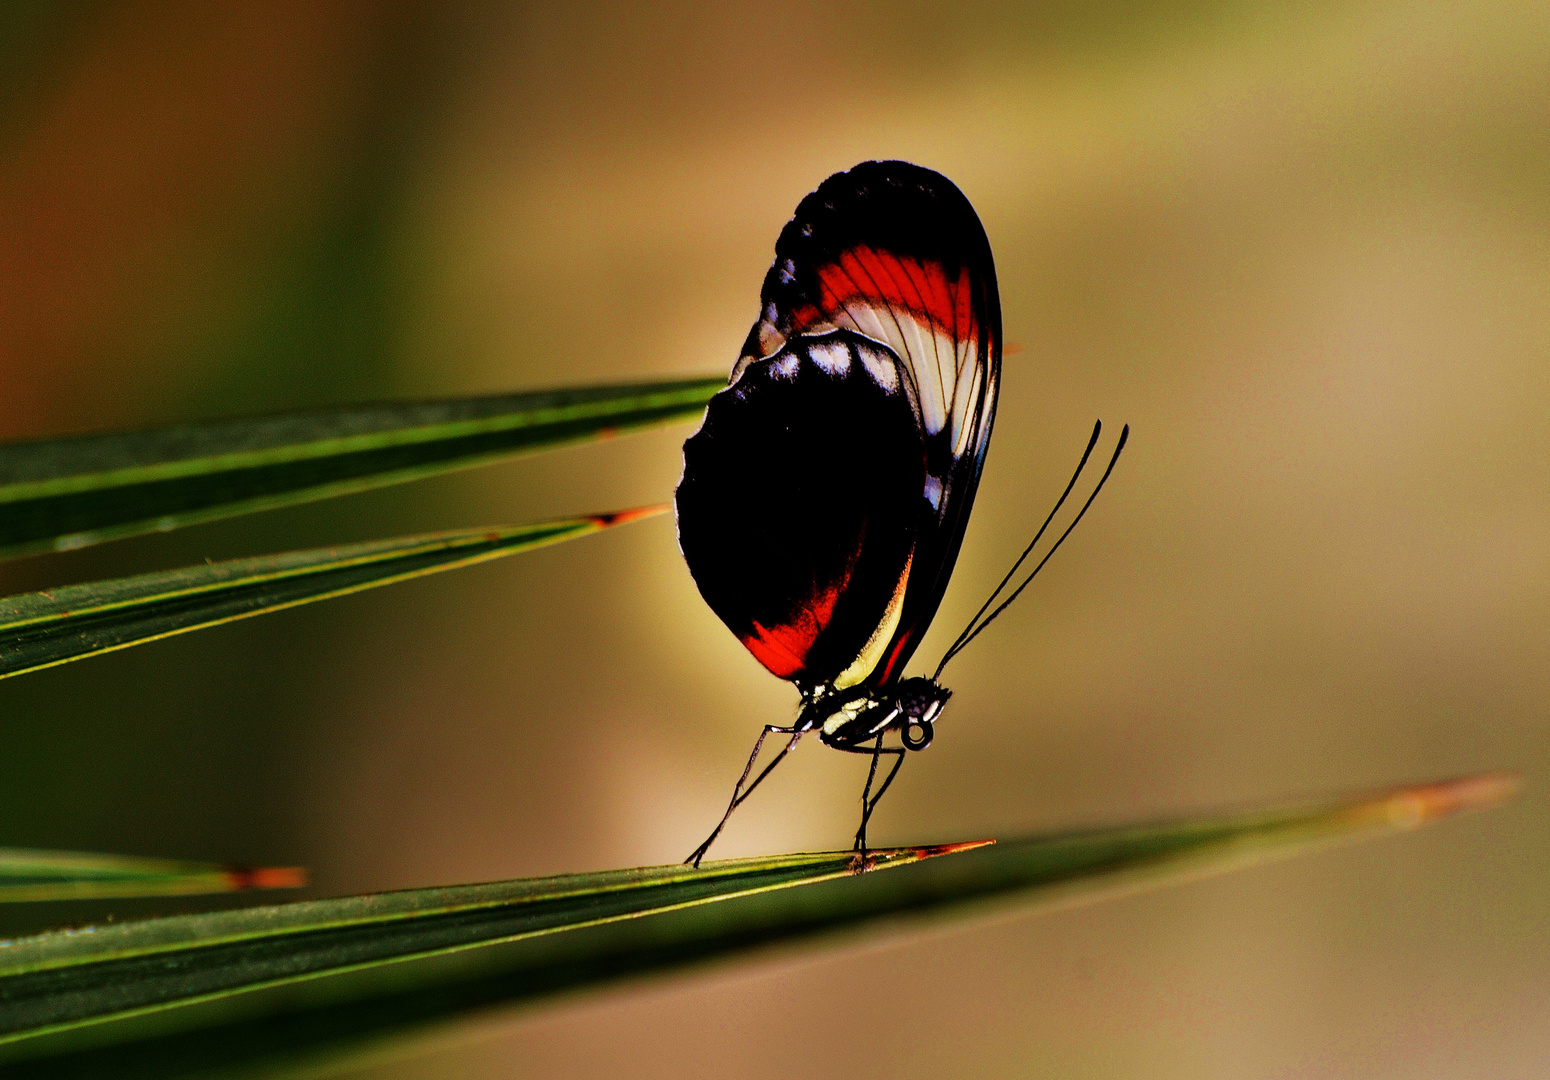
(847, 721)
(826, 494)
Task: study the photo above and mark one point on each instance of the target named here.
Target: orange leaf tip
(894, 856)
(1410, 807)
(239, 878)
(624, 517)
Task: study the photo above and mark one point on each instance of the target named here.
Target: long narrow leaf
(306, 984)
(28, 875)
(67, 493)
(42, 629)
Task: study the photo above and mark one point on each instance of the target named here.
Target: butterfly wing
(825, 497)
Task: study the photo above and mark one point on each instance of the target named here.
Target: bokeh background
(1304, 249)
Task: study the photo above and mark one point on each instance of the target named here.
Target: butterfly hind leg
(868, 800)
(739, 794)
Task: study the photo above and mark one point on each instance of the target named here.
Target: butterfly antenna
(972, 631)
(991, 599)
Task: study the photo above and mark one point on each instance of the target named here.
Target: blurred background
(1304, 249)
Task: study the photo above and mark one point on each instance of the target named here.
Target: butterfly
(825, 496)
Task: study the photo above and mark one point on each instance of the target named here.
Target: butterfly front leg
(738, 793)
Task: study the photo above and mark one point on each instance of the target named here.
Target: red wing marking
(885, 667)
(784, 648)
(866, 275)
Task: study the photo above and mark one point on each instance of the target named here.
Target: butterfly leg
(868, 800)
(739, 793)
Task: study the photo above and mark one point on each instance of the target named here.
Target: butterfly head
(920, 702)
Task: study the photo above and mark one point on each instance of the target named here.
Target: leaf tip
(877, 860)
(241, 878)
(1410, 807)
(933, 850)
(624, 517)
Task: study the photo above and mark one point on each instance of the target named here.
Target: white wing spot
(883, 368)
(785, 367)
(831, 356)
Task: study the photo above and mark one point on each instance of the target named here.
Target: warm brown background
(1303, 248)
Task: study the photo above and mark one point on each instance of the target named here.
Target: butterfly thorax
(858, 715)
